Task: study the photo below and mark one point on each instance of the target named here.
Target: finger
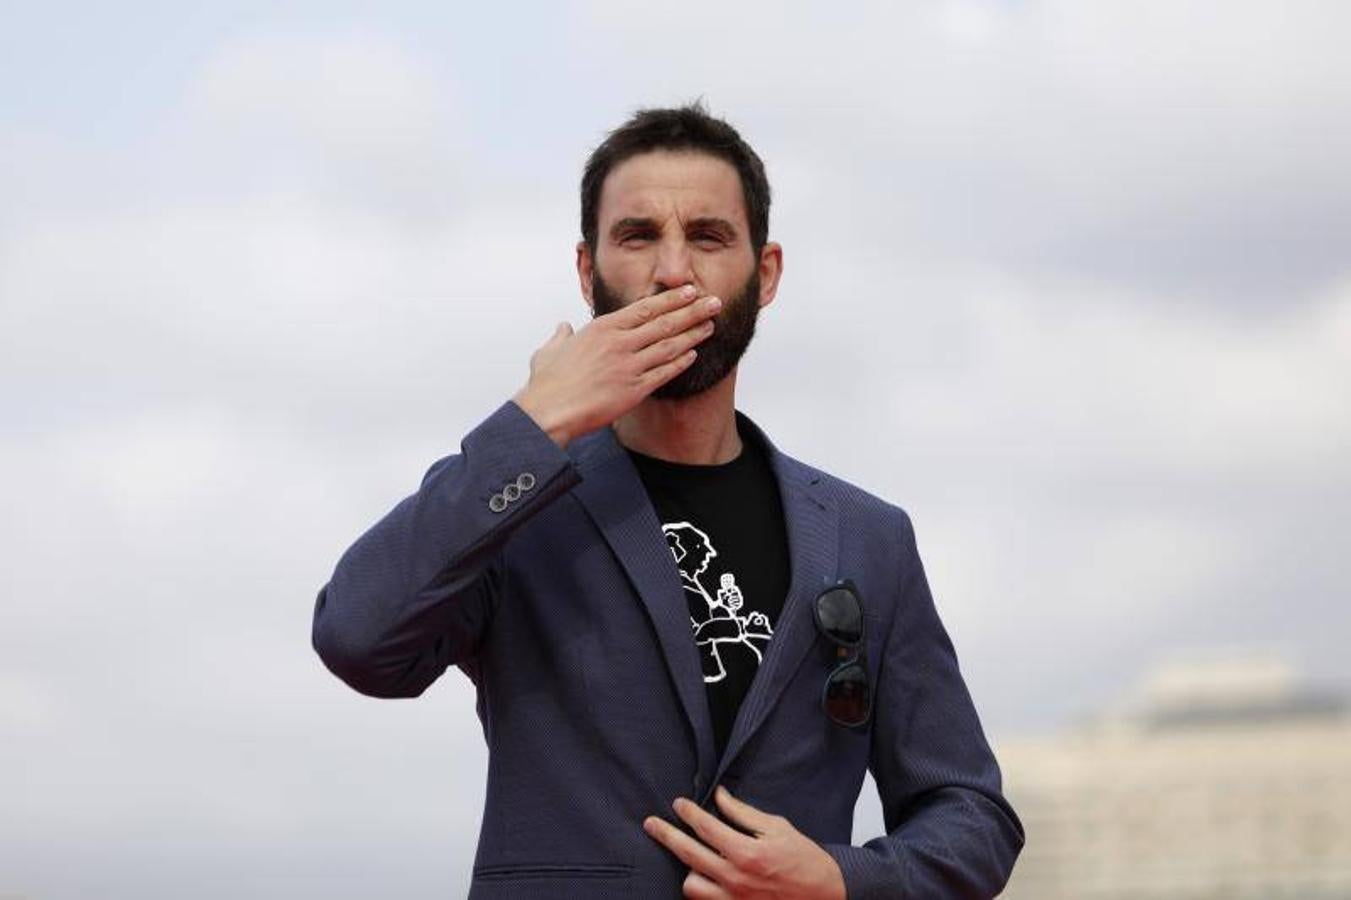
(697, 887)
(645, 310)
(713, 831)
(688, 850)
(671, 348)
(743, 814)
(657, 376)
(675, 321)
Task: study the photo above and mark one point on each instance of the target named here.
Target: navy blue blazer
(543, 574)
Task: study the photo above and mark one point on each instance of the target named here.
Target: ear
(585, 272)
(771, 268)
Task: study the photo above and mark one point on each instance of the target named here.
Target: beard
(717, 354)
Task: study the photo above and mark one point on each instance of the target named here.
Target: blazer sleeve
(415, 593)
(950, 832)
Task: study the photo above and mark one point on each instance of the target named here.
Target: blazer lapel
(613, 495)
(812, 523)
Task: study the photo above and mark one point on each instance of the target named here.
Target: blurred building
(1215, 779)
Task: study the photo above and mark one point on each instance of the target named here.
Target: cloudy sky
(1070, 282)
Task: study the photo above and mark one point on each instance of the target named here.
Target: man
(653, 600)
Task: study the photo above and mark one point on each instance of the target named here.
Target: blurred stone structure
(1219, 778)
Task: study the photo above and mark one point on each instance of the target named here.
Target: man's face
(666, 219)
(734, 326)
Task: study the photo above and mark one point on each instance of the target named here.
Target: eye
(709, 237)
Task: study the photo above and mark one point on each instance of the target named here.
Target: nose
(674, 264)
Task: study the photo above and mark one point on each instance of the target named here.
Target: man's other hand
(775, 860)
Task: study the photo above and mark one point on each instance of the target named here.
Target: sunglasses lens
(841, 616)
(848, 698)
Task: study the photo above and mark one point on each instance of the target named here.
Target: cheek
(628, 274)
(723, 276)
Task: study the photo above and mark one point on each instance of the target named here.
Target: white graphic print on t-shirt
(723, 629)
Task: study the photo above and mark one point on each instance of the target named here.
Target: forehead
(661, 182)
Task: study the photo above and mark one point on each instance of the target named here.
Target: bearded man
(599, 555)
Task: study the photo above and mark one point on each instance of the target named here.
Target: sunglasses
(847, 697)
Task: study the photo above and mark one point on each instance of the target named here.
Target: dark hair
(688, 127)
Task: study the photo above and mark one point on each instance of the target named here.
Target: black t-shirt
(724, 524)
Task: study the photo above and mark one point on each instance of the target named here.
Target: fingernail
(687, 291)
(714, 303)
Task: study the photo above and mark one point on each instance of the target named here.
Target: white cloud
(354, 92)
(349, 115)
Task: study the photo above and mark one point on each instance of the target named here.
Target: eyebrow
(641, 223)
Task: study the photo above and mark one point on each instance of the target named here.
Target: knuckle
(755, 864)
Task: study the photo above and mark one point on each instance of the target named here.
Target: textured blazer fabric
(543, 574)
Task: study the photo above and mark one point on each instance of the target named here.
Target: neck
(697, 430)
